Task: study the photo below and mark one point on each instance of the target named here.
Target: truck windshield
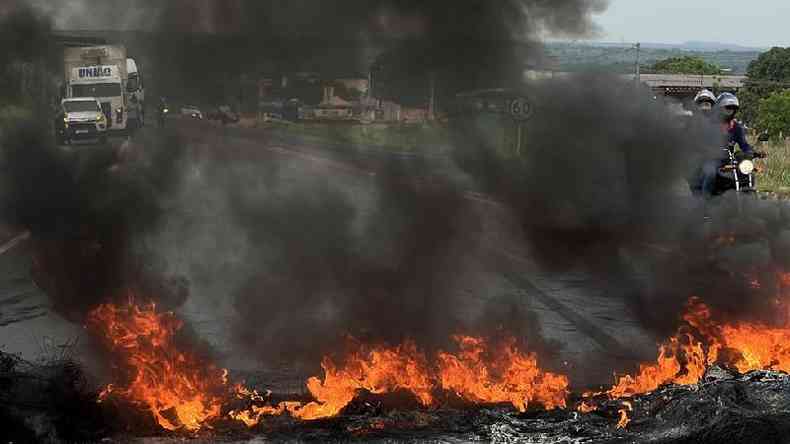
(96, 90)
(80, 106)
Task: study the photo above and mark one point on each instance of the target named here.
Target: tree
(774, 114)
(685, 65)
(769, 73)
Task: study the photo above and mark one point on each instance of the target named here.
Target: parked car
(192, 111)
(224, 114)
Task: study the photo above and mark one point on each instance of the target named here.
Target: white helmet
(705, 96)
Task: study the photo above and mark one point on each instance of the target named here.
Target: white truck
(100, 72)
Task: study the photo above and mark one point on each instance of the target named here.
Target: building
(333, 107)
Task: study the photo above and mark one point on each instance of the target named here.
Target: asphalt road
(592, 331)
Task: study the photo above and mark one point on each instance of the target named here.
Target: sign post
(520, 110)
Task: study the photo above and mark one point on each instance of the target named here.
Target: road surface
(591, 331)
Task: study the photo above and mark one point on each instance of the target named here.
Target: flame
(624, 419)
(184, 393)
(760, 346)
(509, 376)
(667, 369)
(586, 407)
(683, 358)
(377, 370)
(178, 390)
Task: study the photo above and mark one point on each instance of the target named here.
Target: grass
(776, 175)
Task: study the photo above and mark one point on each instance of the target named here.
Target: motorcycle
(162, 116)
(738, 171)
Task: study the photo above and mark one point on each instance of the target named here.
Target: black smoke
(320, 260)
(603, 187)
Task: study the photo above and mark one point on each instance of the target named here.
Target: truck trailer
(100, 72)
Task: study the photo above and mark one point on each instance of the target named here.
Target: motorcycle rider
(705, 100)
(733, 133)
(162, 112)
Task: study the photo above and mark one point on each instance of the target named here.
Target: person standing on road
(133, 115)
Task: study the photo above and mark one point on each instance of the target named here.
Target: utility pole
(432, 102)
(370, 82)
(638, 76)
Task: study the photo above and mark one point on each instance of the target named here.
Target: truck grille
(78, 128)
(83, 126)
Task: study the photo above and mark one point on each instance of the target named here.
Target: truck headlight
(746, 167)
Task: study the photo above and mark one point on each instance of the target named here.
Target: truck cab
(135, 87)
(80, 119)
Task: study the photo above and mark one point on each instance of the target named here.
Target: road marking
(607, 342)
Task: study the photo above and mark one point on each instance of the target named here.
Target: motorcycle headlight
(746, 167)
(119, 111)
(166, 110)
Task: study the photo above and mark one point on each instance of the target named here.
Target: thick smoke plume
(305, 256)
(603, 188)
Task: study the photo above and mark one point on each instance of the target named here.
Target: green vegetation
(684, 65)
(776, 175)
(773, 114)
(768, 74)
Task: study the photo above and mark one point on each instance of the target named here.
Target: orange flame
(586, 407)
(377, 370)
(183, 393)
(509, 376)
(667, 369)
(178, 390)
(624, 419)
(684, 358)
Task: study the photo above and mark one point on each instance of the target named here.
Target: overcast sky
(762, 23)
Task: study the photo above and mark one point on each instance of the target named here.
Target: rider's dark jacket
(736, 134)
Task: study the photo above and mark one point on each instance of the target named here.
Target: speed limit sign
(520, 109)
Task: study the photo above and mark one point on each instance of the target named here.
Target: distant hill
(687, 46)
(620, 57)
